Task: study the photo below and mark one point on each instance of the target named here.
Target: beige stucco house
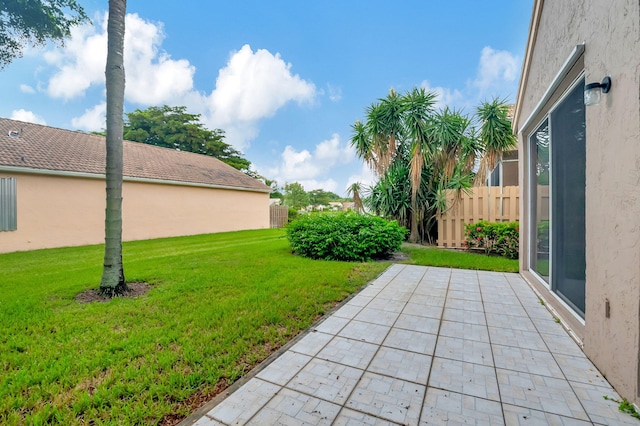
(52, 190)
(580, 177)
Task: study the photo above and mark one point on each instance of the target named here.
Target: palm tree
(113, 282)
(418, 107)
(417, 154)
(496, 135)
(354, 190)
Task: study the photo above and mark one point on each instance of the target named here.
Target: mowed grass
(432, 256)
(219, 305)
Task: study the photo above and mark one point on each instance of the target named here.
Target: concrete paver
(422, 346)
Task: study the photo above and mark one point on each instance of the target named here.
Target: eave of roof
(524, 75)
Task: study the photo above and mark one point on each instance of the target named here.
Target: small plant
(494, 237)
(346, 236)
(557, 320)
(624, 406)
(541, 302)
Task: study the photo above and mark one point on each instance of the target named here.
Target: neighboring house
(506, 171)
(348, 205)
(580, 177)
(52, 190)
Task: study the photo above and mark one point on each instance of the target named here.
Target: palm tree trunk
(417, 162)
(113, 282)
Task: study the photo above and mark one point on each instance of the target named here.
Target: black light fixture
(592, 91)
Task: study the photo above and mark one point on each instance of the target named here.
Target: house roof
(28, 146)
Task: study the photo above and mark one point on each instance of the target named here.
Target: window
(506, 171)
(8, 204)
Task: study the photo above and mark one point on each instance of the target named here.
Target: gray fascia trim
(555, 83)
(46, 172)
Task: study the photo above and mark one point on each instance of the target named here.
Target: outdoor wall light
(592, 91)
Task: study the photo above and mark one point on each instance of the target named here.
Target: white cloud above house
(27, 116)
(92, 119)
(497, 72)
(152, 76)
(252, 86)
(496, 67)
(312, 169)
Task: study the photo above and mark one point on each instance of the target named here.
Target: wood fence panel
(278, 216)
(493, 204)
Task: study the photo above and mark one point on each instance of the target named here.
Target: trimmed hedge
(494, 237)
(347, 236)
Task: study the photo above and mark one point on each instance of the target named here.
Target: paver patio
(425, 345)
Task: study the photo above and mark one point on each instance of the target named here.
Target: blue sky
(284, 79)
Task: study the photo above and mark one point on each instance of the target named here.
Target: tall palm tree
(418, 107)
(355, 191)
(496, 135)
(417, 153)
(113, 282)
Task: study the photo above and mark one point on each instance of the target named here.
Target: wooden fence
(493, 204)
(278, 216)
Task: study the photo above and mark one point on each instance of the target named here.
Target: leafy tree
(276, 191)
(417, 153)
(34, 22)
(175, 128)
(295, 196)
(320, 197)
(113, 282)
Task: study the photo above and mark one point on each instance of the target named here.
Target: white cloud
(444, 96)
(335, 93)
(366, 177)
(496, 67)
(315, 169)
(26, 116)
(152, 76)
(496, 76)
(81, 62)
(253, 86)
(25, 88)
(93, 118)
(327, 185)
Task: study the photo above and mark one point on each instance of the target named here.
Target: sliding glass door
(558, 160)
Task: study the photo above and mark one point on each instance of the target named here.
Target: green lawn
(219, 305)
(433, 256)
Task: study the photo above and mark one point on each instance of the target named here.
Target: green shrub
(494, 237)
(346, 236)
(293, 214)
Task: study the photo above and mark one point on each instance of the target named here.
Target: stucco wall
(57, 211)
(610, 31)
